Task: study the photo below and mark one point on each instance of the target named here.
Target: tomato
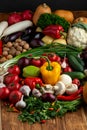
(14, 69)
(4, 93)
(43, 60)
(13, 86)
(52, 57)
(68, 69)
(76, 81)
(15, 96)
(9, 78)
(27, 15)
(36, 62)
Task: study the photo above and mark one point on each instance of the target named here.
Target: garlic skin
(25, 90)
(59, 88)
(21, 103)
(36, 92)
(48, 88)
(66, 79)
(72, 89)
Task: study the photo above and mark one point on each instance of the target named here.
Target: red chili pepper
(71, 97)
(67, 98)
(33, 82)
(42, 121)
(0, 47)
(53, 31)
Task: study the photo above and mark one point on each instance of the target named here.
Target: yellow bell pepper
(50, 72)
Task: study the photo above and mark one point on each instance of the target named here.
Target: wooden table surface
(70, 121)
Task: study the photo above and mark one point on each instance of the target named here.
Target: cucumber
(80, 61)
(75, 64)
(76, 74)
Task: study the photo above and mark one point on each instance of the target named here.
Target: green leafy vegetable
(80, 25)
(48, 19)
(38, 110)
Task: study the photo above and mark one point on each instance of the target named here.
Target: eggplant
(48, 97)
(36, 42)
(38, 35)
(11, 37)
(28, 34)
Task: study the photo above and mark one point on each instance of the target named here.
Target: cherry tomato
(43, 60)
(13, 86)
(4, 93)
(52, 57)
(14, 69)
(9, 78)
(76, 81)
(67, 69)
(36, 62)
(15, 96)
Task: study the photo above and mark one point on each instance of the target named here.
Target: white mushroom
(47, 89)
(66, 79)
(59, 88)
(72, 89)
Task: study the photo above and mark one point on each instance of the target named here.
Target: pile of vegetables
(41, 76)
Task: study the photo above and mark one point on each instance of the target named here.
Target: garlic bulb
(25, 90)
(21, 103)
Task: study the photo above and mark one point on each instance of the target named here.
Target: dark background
(20, 5)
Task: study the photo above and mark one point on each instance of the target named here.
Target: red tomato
(14, 69)
(4, 93)
(76, 81)
(13, 86)
(15, 96)
(43, 60)
(68, 69)
(9, 78)
(36, 62)
(27, 15)
(52, 57)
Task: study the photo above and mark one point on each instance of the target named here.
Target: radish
(17, 27)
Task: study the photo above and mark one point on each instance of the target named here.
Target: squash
(42, 8)
(67, 14)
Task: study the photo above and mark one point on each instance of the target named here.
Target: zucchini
(76, 74)
(75, 64)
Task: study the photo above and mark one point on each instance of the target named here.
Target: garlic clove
(36, 92)
(64, 64)
(25, 90)
(59, 88)
(72, 89)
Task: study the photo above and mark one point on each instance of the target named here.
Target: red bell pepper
(0, 47)
(33, 82)
(53, 31)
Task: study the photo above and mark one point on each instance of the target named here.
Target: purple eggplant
(11, 37)
(36, 42)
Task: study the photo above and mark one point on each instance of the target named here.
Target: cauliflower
(77, 37)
